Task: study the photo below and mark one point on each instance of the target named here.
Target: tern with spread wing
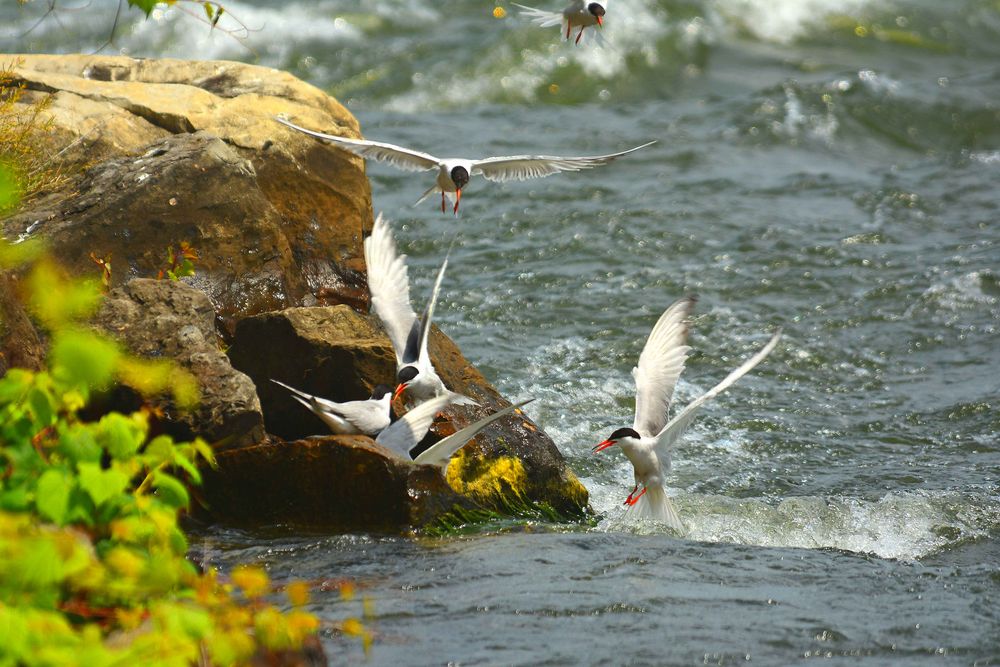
(389, 287)
(404, 435)
(648, 443)
(453, 173)
(579, 13)
(368, 417)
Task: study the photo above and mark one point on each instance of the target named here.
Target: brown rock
(338, 354)
(20, 344)
(341, 482)
(168, 319)
(189, 151)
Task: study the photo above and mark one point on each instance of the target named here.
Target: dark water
(829, 166)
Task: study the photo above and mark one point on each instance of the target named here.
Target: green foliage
(93, 566)
(180, 262)
(146, 6)
(10, 190)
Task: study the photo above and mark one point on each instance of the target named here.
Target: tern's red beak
(600, 21)
(399, 390)
(604, 445)
(458, 199)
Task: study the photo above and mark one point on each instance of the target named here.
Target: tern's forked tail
(655, 505)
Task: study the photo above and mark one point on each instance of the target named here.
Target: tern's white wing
(540, 16)
(389, 286)
(397, 156)
(425, 332)
(368, 416)
(660, 364)
(678, 424)
(524, 167)
(404, 434)
(441, 452)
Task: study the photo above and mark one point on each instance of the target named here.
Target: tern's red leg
(578, 36)
(633, 501)
(443, 209)
(568, 27)
(628, 501)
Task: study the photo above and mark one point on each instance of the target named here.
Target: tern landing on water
(649, 442)
(368, 417)
(454, 173)
(410, 429)
(578, 14)
(389, 286)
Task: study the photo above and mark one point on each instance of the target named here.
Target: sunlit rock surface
(164, 151)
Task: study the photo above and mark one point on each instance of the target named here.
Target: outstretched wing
(397, 156)
(389, 286)
(441, 452)
(660, 364)
(404, 434)
(540, 17)
(524, 167)
(677, 425)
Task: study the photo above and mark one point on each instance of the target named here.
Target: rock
(166, 151)
(337, 353)
(168, 319)
(341, 482)
(20, 344)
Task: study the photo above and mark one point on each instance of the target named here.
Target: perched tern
(404, 435)
(454, 173)
(648, 443)
(390, 293)
(579, 13)
(368, 417)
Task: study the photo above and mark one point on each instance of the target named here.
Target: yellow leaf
(298, 593)
(252, 580)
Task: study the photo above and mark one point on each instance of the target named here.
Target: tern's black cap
(595, 9)
(460, 176)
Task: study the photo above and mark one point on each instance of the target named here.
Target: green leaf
(10, 189)
(77, 443)
(170, 489)
(101, 485)
(52, 495)
(146, 6)
(41, 406)
(83, 358)
(120, 435)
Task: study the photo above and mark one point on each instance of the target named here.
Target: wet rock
(341, 482)
(337, 353)
(165, 151)
(168, 319)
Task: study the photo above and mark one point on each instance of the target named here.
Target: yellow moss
(487, 481)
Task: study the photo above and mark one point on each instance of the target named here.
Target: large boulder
(165, 319)
(165, 151)
(337, 353)
(341, 482)
(162, 151)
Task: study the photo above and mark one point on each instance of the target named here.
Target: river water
(828, 166)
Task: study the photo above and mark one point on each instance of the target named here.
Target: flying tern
(648, 443)
(404, 435)
(368, 417)
(454, 173)
(579, 13)
(389, 287)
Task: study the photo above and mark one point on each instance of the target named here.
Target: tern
(648, 443)
(368, 417)
(454, 173)
(577, 13)
(389, 287)
(404, 435)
